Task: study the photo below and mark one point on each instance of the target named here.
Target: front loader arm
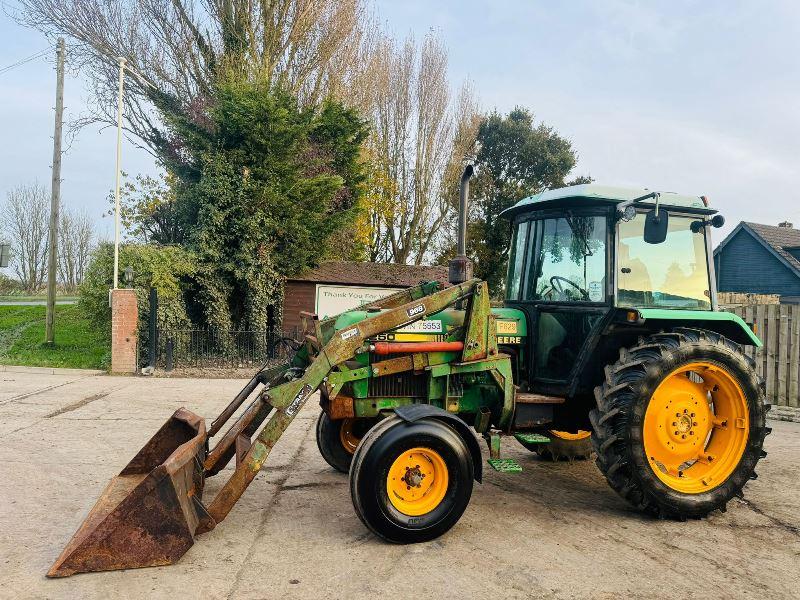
(288, 398)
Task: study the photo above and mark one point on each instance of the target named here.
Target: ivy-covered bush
(264, 189)
(169, 269)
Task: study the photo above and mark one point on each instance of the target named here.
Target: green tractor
(609, 339)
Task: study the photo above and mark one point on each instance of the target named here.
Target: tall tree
(75, 245)
(418, 131)
(516, 158)
(266, 185)
(24, 219)
(181, 48)
(149, 209)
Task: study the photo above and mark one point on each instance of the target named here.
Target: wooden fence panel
(772, 351)
(778, 362)
(761, 331)
(794, 354)
(748, 314)
(782, 391)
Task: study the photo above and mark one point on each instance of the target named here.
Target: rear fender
(415, 412)
(725, 323)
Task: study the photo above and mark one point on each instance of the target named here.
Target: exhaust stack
(460, 268)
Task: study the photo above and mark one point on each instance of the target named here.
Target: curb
(784, 413)
(49, 370)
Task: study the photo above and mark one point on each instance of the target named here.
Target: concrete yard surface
(554, 531)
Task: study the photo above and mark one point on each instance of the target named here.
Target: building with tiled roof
(760, 259)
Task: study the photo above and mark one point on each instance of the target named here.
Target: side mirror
(655, 226)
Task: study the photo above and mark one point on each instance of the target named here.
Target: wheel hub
(686, 427)
(413, 477)
(348, 437)
(417, 481)
(683, 416)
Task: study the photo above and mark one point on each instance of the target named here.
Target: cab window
(515, 260)
(568, 260)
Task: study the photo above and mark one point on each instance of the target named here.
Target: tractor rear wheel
(680, 423)
(411, 482)
(337, 440)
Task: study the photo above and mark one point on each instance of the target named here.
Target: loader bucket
(148, 514)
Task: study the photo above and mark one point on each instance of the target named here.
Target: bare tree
(24, 219)
(312, 48)
(182, 48)
(75, 243)
(419, 139)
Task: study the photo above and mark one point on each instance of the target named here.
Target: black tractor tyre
(618, 421)
(563, 449)
(330, 440)
(376, 454)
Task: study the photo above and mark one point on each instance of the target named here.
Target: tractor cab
(587, 260)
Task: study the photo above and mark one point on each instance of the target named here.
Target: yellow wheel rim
(696, 427)
(566, 435)
(417, 481)
(347, 437)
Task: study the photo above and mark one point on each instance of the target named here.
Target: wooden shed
(336, 286)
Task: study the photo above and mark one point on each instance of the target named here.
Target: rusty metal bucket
(149, 513)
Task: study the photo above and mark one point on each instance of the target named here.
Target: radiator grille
(400, 385)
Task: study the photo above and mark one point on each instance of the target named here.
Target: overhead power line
(26, 60)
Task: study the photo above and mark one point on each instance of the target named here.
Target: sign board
(5, 255)
(334, 299)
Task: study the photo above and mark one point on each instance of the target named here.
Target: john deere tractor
(609, 338)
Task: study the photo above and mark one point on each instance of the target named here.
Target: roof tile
(779, 238)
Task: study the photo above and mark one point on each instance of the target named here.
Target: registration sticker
(415, 310)
(295, 404)
(507, 327)
(422, 326)
(349, 333)
(595, 291)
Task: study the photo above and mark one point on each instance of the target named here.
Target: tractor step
(532, 438)
(505, 465)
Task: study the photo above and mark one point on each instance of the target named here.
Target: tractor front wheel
(680, 423)
(411, 482)
(337, 440)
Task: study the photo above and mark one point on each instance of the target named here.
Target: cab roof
(575, 195)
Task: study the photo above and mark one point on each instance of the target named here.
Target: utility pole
(55, 196)
(120, 107)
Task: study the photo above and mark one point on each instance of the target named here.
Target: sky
(698, 97)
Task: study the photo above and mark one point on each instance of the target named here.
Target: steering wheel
(555, 283)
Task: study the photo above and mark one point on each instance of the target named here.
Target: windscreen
(673, 274)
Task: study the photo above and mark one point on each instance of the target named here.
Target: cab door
(564, 288)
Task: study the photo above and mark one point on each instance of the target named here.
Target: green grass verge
(79, 342)
(36, 298)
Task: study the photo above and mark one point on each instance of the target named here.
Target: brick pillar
(124, 338)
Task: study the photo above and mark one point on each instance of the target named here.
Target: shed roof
(377, 274)
(773, 238)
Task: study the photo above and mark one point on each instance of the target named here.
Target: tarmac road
(554, 531)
